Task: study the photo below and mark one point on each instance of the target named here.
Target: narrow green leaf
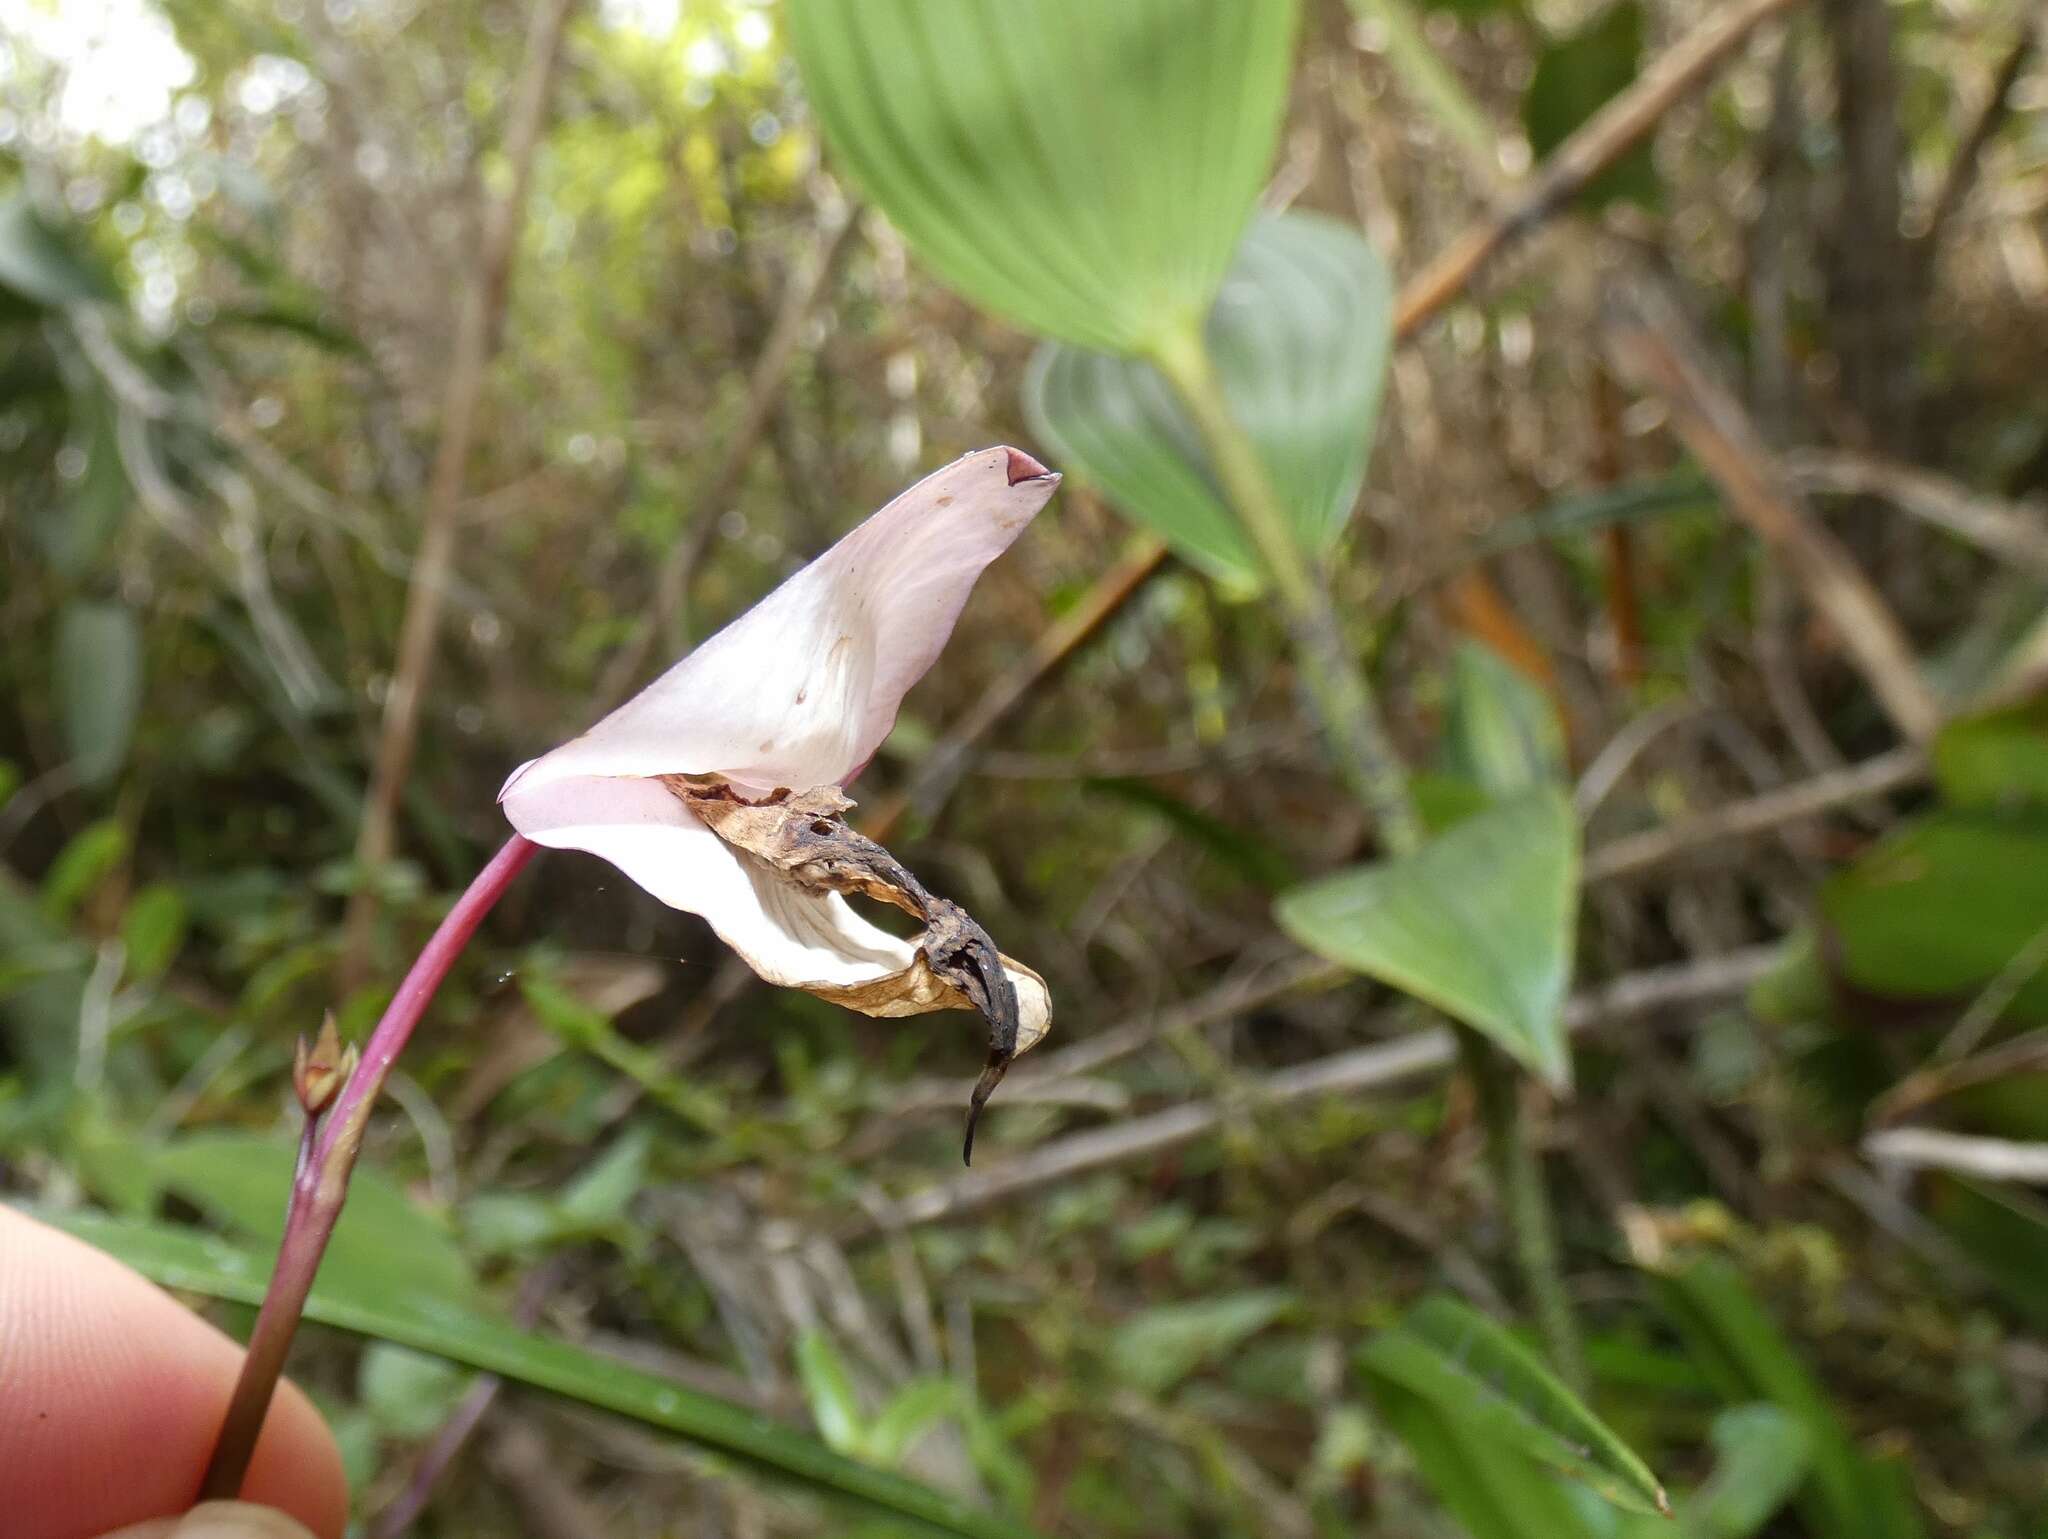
(829, 1391)
(1082, 169)
(1300, 336)
(1499, 1392)
(96, 680)
(1491, 1488)
(1846, 1495)
(1250, 855)
(185, 1259)
(1479, 923)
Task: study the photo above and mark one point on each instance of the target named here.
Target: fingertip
(114, 1395)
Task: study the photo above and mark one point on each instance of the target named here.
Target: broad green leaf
(471, 1335)
(74, 531)
(408, 1393)
(1081, 169)
(1997, 761)
(1502, 733)
(41, 262)
(1155, 1350)
(1499, 1393)
(1492, 1489)
(1940, 909)
(1299, 336)
(1846, 1495)
(383, 1238)
(1575, 76)
(1760, 1459)
(1479, 923)
(96, 680)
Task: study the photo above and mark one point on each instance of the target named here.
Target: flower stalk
(337, 1092)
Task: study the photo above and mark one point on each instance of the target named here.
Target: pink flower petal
(801, 689)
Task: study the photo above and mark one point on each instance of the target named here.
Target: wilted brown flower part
(803, 838)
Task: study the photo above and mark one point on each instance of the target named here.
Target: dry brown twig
(806, 287)
(1652, 346)
(1375, 1067)
(479, 324)
(2012, 531)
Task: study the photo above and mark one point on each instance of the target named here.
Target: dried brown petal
(804, 837)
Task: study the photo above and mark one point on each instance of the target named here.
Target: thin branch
(764, 395)
(2015, 531)
(1881, 776)
(1375, 1067)
(1652, 346)
(1995, 1159)
(1969, 156)
(1601, 140)
(479, 325)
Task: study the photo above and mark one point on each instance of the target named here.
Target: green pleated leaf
(469, 1334)
(1299, 335)
(1479, 923)
(1501, 1395)
(96, 677)
(1082, 169)
(1502, 732)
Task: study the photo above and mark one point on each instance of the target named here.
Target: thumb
(219, 1520)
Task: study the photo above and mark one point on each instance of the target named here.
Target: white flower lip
(797, 692)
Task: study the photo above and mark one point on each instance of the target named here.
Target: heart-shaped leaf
(1479, 923)
(1502, 1395)
(1299, 336)
(467, 1333)
(1083, 169)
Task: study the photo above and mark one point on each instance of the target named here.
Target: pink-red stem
(321, 1183)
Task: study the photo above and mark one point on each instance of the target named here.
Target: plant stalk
(1343, 701)
(1372, 770)
(327, 1157)
(1518, 1182)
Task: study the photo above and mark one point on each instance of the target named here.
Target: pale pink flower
(795, 696)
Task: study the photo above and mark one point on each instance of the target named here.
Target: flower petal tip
(1022, 467)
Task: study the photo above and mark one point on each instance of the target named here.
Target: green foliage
(1502, 735)
(1299, 336)
(1495, 1391)
(1575, 76)
(1159, 1348)
(1084, 170)
(43, 263)
(1997, 761)
(469, 1334)
(1479, 923)
(1847, 1494)
(96, 682)
(384, 1240)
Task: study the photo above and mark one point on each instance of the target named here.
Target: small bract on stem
(719, 789)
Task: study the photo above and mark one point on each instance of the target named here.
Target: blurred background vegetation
(285, 286)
